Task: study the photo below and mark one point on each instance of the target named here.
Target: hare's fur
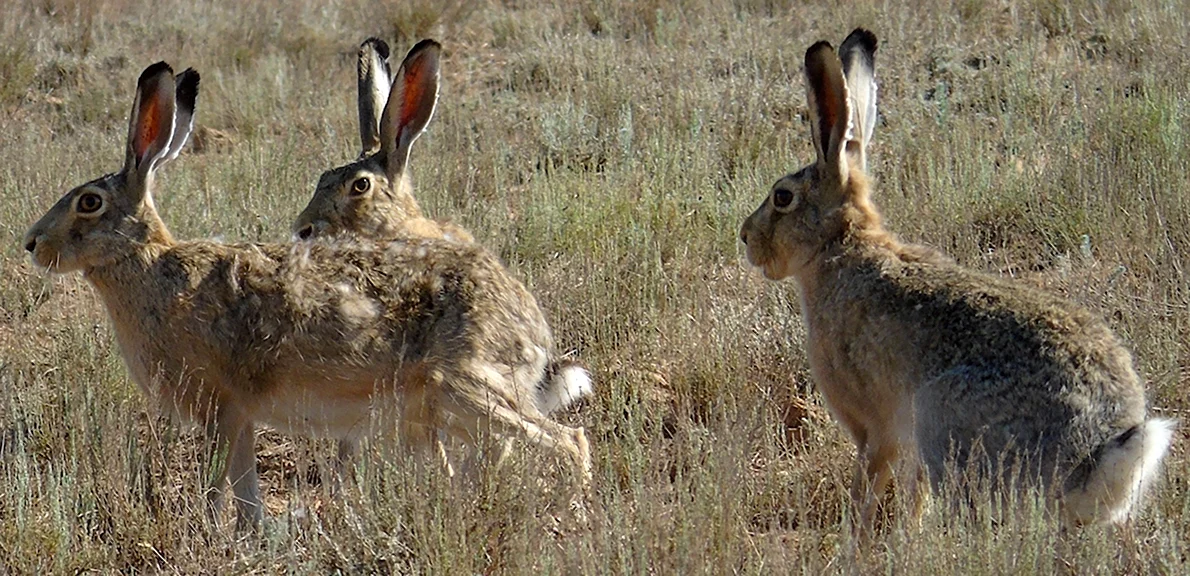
(392, 115)
(919, 358)
(313, 338)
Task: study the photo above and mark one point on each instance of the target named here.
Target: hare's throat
(128, 272)
(806, 272)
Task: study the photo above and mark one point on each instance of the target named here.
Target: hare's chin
(53, 264)
(767, 266)
(772, 273)
(773, 269)
(41, 262)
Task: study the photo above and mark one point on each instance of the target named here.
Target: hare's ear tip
(426, 44)
(380, 46)
(189, 79)
(819, 46)
(864, 38)
(155, 70)
(187, 88)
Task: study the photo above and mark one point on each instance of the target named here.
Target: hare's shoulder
(205, 266)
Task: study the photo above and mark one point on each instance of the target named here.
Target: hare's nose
(744, 236)
(31, 244)
(306, 232)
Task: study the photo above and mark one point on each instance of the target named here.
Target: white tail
(564, 384)
(1122, 474)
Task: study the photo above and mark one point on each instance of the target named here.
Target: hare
(373, 196)
(312, 338)
(919, 358)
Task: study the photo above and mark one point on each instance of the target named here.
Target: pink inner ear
(417, 83)
(149, 120)
(830, 107)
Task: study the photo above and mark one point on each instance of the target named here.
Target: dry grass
(607, 150)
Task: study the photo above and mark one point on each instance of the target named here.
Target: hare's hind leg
(975, 431)
(474, 409)
(570, 443)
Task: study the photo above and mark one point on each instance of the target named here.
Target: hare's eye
(360, 186)
(782, 198)
(89, 202)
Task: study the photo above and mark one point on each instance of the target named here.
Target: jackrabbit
(312, 338)
(373, 196)
(380, 205)
(916, 356)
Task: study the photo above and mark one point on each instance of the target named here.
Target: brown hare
(373, 196)
(314, 338)
(919, 358)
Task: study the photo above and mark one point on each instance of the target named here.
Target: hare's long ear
(410, 105)
(375, 80)
(858, 54)
(186, 98)
(830, 117)
(151, 126)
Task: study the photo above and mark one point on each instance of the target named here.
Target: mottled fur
(313, 338)
(373, 196)
(388, 210)
(917, 357)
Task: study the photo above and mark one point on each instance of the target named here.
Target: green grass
(607, 151)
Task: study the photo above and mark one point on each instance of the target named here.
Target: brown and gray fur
(312, 338)
(386, 208)
(373, 195)
(919, 358)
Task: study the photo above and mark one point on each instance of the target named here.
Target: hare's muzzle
(33, 237)
(745, 227)
(33, 240)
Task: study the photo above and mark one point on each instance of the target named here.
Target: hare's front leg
(343, 455)
(917, 490)
(875, 453)
(873, 471)
(232, 443)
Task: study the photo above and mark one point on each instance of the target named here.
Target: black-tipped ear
(829, 112)
(151, 125)
(374, 83)
(410, 105)
(186, 98)
(858, 53)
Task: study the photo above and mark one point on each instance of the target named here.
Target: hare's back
(335, 302)
(1036, 344)
(437, 291)
(346, 306)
